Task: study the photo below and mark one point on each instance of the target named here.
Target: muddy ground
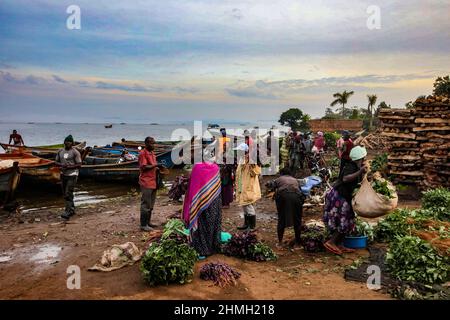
(37, 247)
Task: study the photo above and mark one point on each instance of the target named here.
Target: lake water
(35, 134)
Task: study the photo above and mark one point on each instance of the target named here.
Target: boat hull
(9, 180)
(34, 167)
(107, 169)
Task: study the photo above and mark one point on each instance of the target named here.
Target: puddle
(47, 252)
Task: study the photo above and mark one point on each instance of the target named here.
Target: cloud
(133, 88)
(250, 93)
(183, 91)
(28, 80)
(235, 13)
(59, 79)
(279, 89)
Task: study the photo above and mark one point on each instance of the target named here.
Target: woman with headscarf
(339, 217)
(289, 201)
(202, 208)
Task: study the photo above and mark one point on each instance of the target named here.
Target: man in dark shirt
(16, 138)
(69, 160)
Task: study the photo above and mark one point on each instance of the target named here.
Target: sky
(155, 61)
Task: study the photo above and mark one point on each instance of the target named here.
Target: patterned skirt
(206, 239)
(338, 213)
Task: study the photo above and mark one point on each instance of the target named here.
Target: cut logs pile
(373, 141)
(404, 158)
(432, 119)
(419, 142)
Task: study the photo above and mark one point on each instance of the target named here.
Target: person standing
(319, 143)
(248, 190)
(344, 150)
(147, 180)
(69, 160)
(16, 138)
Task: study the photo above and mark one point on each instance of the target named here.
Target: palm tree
(341, 98)
(372, 100)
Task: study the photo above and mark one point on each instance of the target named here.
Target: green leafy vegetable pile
(246, 245)
(362, 228)
(168, 262)
(410, 258)
(382, 187)
(174, 229)
(262, 252)
(171, 259)
(399, 223)
(438, 201)
(221, 273)
(313, 237)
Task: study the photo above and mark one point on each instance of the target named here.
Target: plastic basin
(355, 242)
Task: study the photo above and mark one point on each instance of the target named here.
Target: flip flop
(346, 250)
(332, 250)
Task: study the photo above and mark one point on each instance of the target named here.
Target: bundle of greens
(399, 223)
(362, 228)
(313, 237)
(246, 245)
(168, 262)
(261, 252)
(379, 163)
(174, 229)
(382, 187)
(438, 201)
(221, 273)
(410, 258)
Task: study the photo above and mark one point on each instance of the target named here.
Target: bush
(413, 259)
(330, 139)
(438, 201)
(168, 262)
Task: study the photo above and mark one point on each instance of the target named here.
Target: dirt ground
(41, 247)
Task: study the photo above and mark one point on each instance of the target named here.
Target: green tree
(296, 119)
(383, 105)
(409, 105)
(341, 98)
(442, 86)
(372, 99)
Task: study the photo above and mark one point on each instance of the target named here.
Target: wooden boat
(108, 126)
(43, 149)
(109, 169)
(34, 167)
(132, 144)
(9, 180)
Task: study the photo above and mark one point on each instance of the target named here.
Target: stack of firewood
(432, 119)
(373, 141)
(405, 156)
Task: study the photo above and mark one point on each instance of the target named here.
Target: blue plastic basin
(355, 242)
